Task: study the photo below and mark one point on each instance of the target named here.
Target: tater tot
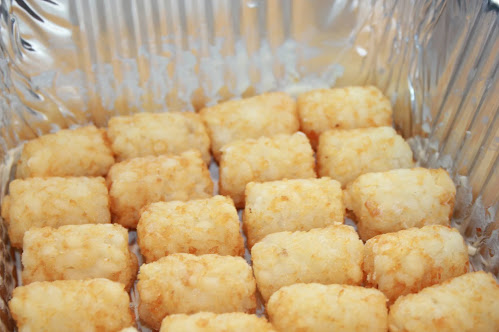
(328, 308)
(343, 155)
(154, 134)
(78, 252)
(204, 226)
(185, 283)
(211, 322)
(268, 114)
(331, 255)
(70, 152)
(137, 182)
(54, 202)
(264, 159)
(71, 305)
(409, 260)
(291, 205)
(399, 199)
(342, 108)
(466, 303)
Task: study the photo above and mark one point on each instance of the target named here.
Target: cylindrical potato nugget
(399, 199)
(409, 260)
(469, 303)
(211, 322)
(78, 252)
(328, 308)
(137, 182)
(83, 151)
(204, 226)
(331, 255)
(264, 159)
(268, 114)
(71, 305)
(54, 202)
(291, 205)
(154, 134)
(343, 155)
(184, 283)
(342, 108)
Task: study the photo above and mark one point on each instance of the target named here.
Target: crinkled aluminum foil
(70, 62)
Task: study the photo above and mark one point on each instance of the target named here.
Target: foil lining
(66, 63)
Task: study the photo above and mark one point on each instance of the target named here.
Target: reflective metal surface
(70, 62)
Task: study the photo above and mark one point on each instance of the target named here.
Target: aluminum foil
(70, 62)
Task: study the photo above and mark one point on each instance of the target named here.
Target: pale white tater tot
(185, 283)
(71, 305)
(268, 114)
(78, 252)
(137, 182)
(211, 322)
(342, 108)
(202, 226)
(291, 205)
(390, 201)
(264, 159)
(407, 261)
(344, 155)
(328, 308)
(469, 303)
(154, 134)
(83, 151)
(54, 202)
(331, 255)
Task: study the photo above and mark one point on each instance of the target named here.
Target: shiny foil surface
(65, 63)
